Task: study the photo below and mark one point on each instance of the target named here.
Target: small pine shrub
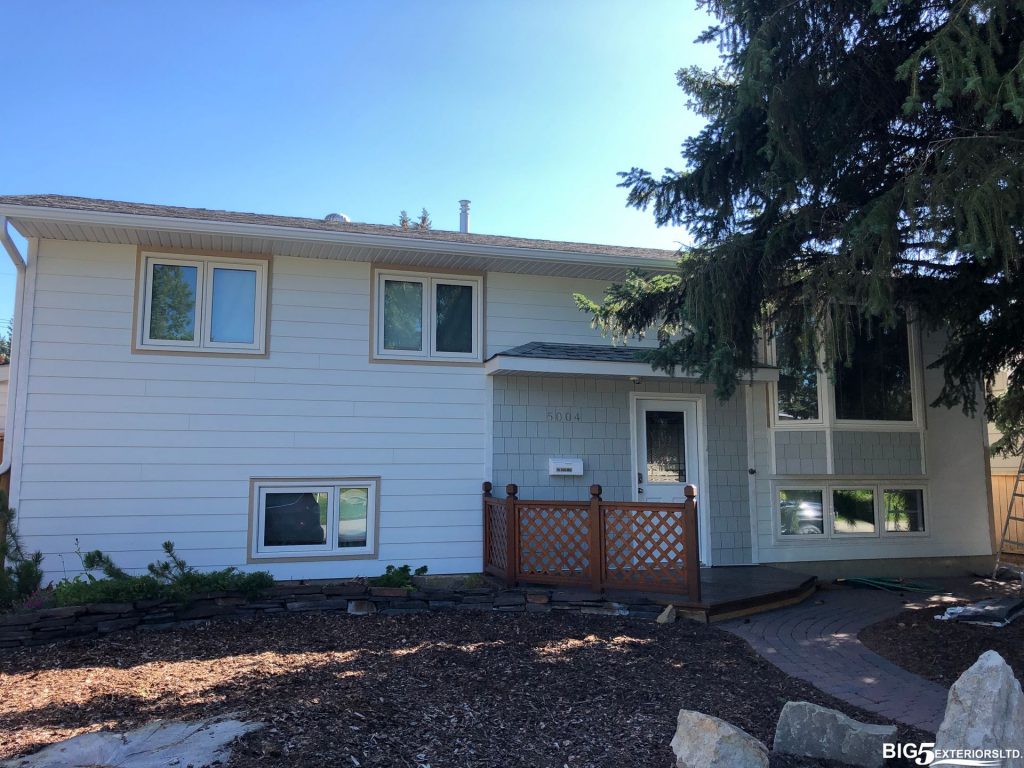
(172, 579)
(400, 577)
(21, 572)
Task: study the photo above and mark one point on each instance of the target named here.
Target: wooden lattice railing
(597, 544)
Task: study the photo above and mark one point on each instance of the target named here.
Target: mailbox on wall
(565, 467)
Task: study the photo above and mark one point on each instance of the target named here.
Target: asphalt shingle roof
(552, 351)
(205, 214)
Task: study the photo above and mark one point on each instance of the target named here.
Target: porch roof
(542, 358)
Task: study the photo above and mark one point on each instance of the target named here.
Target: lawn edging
(49, 625)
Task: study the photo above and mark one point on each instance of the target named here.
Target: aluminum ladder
(1011, 542)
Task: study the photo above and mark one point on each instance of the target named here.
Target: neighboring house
(321, 398)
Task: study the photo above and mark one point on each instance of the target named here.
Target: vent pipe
(463, 215)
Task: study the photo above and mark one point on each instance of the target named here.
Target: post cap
(690, 491)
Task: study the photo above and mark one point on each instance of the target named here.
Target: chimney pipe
(463, 215)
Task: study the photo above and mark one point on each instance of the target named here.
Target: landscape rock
(703, 741)
(808, 730)
(361, 607)
(667, 616)
(984, 710)
(159, 744)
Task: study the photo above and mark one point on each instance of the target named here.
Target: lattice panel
(645, 548)
(554, 542)
(497, 534)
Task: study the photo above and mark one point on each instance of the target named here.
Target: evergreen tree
(860, 159)
(424, 222)
(403, 220)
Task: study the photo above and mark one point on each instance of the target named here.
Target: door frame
(703, 486)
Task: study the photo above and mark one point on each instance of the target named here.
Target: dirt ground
(942, 650)
(438, 690)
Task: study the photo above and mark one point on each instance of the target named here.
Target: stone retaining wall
(54, 624)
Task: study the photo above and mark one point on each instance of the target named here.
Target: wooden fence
(599, 545)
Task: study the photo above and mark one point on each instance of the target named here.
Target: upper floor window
(427, 316)
(202, 304)
(876, 383)
(874, 386)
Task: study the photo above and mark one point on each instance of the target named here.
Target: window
(851, 512)
(801, 512)
(314, 518)
(427, 317)
(876, 383)
(201, 304)
(904, 510)
(798, 382)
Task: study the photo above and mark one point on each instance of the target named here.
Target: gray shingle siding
(799, 452)
(598, 431)
(876, 453)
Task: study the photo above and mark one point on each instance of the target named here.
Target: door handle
(639, 490)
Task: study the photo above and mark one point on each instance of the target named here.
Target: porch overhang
(549, 359)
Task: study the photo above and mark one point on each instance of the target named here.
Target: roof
(87, 204)
(552, 351)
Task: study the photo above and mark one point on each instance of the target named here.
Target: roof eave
(272, 232)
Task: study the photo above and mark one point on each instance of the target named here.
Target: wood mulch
(439, 690)
(942, 650)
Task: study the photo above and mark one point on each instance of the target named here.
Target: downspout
(19, 293)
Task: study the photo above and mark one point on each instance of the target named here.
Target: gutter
(19, 294)
(270, 231)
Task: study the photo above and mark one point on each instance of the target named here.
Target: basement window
(427, 316)
(300, 519)
(199, 304)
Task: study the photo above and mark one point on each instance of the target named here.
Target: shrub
(172, 579)
(21, 573)
(397, 577)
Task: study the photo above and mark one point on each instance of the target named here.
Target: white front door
(668, 455)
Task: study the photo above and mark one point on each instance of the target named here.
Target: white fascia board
(501, 365)
(271, 232)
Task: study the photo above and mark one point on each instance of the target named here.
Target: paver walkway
(817, 641)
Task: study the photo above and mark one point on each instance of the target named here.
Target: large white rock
(160, 744)
(703, 741)
(808, 730)
(984, 710)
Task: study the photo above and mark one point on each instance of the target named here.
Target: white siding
(121, 452)
(525, 308)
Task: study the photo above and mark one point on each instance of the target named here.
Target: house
(319, 398)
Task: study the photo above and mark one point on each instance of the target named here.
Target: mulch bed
(443, 690)
(942, 650)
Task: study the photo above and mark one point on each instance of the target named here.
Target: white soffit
(196, 235)
(502, 365)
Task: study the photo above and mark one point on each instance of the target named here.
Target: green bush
(21, 572)
(172, 579)
(397, 577)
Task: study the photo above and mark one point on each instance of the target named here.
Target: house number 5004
(570, 415)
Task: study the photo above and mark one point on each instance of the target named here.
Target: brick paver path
(817, 641)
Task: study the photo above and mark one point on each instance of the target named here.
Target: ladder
(1011, 542)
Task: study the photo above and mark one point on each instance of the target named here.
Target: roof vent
(339, 217)
(463, 215)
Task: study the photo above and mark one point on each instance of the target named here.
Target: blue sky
(527, 108)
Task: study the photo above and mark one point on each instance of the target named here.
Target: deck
(736, 590)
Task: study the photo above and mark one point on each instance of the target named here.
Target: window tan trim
(372, 351)
(138, 302)
(253, 526)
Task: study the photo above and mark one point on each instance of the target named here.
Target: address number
(570, 415)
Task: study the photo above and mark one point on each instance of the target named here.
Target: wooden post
(487, 525)
(691, 543)
(596, 539)
(511, 535)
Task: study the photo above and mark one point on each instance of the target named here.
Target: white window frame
(829, 535)
(429, 281)
(260, 487)
(796, 424)
(837, 534)
(903, 486)
(202, 343)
